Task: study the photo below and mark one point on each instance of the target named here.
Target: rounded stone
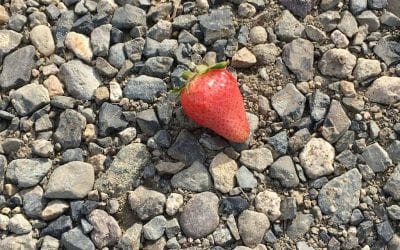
(42, 39)
(317, 158)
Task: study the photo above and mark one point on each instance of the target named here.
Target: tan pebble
(53, 85)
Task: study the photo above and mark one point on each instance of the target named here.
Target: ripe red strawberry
(212, 99)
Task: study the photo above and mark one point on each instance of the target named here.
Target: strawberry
(212, 99)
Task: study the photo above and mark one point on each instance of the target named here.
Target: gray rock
(100, 40)
(75, 154)
(124, 170)
(159, 66)
(340, 196)
(187, 149)
(392, 184)
(376, 158)
(395, 241)
(66, 181)
(43, 148)
(388, 51)
(148, 122)
(299, 140)
(366, 69)
(19, 242)
(385, 231)
(299, 58)
(105, 68)
(298, 7)
(329, 20)
(184, 21)
(10, 41)
(69, 129)
(252, 227)
(393, 151)
(57, 227)
(223, 170)
(377, 4)
(257, 159)
(134, 49)
(279, 142)
(328, 4)
(27, 172)
(339, 39)
(116, 55)
(50, 242)
(288, 208)
(299, 226)
(33, 201)
(315, 34)
(155, 228)
(160, 31)
(222, 236)
(283, 169)
(29, 98)
(17, 67)
(288, 28)
(168, 47)
(317, 158)
(394, 212)
(151, 47)
(336, 122)
(80, 79)
(358, 6)
(319, 104)
(302, 245)
(146, 203)
(186, 37)
(17, 21)
(356, 217)
(130, 240)
(110, 119)
(144, 88)
(42, 39)
(348, 24)
(54, 209)
(75, 239)
(3, 167)
(159, 11)
(390, 19)
(217, 25)
(245, 178)
(289, 103)
(128, 16)
(384, 90)
(337, 63)
(195, 178)
(19, 225)
(369, 18)
(106, 231)
(201, 209)
(11, 145)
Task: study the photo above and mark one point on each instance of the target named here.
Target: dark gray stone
(195, 178)
(300, 8)
(369, 18)
(105, 68)
(62, 27)
(187, 149)
(57, 227)
(217, 25)
(388, 51)
(288, 28)
(392, 184)
(284, 170)
(33, 201)
(3, 167)
(110, 119)
(29, 98)
(116, 55)
(385, 231)
(394, 151)
(11, 41)
(155, 228)
(73, 154)
(357, 6)
(377, 4)
(128, 16)
(356, 217)
(160, 31)
(376, 158)
(279, 142)
(83, 25)
(75, 239)
(17, 67)
(184, 21)
(144, 88)
(151, 48)
(319, 104)
(289, 103)
(17, 21)
(299, 58)
(288, 208)
(233, 205)
(245, 178)
(148, 122)
(100, 40)
(69, 129)
(159, 66)
(134, 49)
(336, 122)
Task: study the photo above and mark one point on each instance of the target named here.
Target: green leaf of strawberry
(212, 99)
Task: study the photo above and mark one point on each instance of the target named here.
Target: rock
(10, 40)
(377, 4)
(217, 25)
(43, 148)
(385, 231)
(158, 66)
(257, 159)
(245, 178)
(29, 98)
(222, 236)
(392, 184)
(160, 31)
(390, 19)
(11, 145)
(328, 4)
(184, 21)
(223, 170)
(201, 209)
(340, 196)
(284, 170)
(106, 231)
(76, 239)
(148, 122)
(258, 35)
(27, 172)
(131, 238)
(80, 79)
(339, 39)
(376, 158)
(19, 225)
(358, 6)
(116, 55)
(384, 90)
(187, 149)
(172, 228)
(319, 105)
(3, 167)
(252, 226)
(393, 151)
(100, 40)
(268, 203)
(17, 67)
(395, 241)
(19, 242)
(110, 119)
(42, 39)
(195, 178)
(134, 49)
(337, 63)
(315, 34)
(317, 158)
(298, 7)
(369, 18)
(54, 209)
(4, 17)
(66, 181)
(329, 20)
(154, 229)
(288, 28)
(366, 69)
(243, 59)
(80, 45)
(144, 88)
(246, 10)
(336, 122)
(54, 86)
(289, 103)
(388, 51)
(348, 24)
(33, 201)
(173, 203)
(233, 205)
(69, 129)
(266, 53)
(124, 170)
(298, 56)
(128, 16)
(299, 226)
(4, 221)
(146, 203)
(279, 142)
(394, 212)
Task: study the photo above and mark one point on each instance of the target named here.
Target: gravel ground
(96, 153)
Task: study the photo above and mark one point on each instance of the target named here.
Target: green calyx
(200, 69)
